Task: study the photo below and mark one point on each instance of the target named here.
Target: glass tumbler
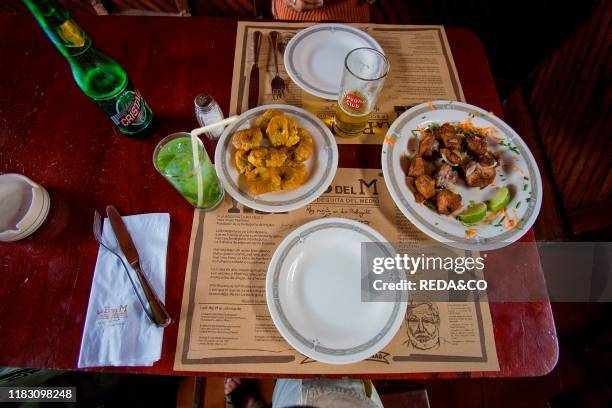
(363, 77)
(173, 158)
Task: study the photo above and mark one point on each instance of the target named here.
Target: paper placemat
(225, 325)
(422, 69)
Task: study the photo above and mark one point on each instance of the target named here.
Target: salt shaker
(207, 112)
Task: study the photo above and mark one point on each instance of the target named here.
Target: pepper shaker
(207, 112)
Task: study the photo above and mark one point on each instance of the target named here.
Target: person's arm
(304, 5)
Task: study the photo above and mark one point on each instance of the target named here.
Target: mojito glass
(173, 159)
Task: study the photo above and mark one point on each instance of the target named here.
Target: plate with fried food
(461, 175)
(276, 158)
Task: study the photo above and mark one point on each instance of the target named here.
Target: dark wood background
(569, 96)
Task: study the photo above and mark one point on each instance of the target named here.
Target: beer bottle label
(354, 102)
(128, 110)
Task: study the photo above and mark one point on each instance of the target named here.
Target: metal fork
(278, 84)
(97, 230)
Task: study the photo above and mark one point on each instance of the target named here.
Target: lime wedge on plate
(500, 200)
(474, 213)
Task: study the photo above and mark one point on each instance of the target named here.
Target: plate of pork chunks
(461, 175)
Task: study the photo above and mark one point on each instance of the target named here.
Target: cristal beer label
(354, 101)
(129, 108)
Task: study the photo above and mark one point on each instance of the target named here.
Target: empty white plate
(313, 291)
(314, 57)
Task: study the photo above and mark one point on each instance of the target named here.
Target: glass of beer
(365, 70)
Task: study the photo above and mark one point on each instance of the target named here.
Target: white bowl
(24, 205)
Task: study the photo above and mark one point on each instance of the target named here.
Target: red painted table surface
(51, 132)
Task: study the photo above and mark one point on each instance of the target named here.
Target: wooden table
(51, 132)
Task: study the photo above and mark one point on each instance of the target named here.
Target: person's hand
(303, 5)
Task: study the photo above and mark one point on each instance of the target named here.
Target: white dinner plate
(313, 291)
(518, 171)
(314, 57)
(321, 165)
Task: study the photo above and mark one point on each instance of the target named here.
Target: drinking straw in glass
(182, 159)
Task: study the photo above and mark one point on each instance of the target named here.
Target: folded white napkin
(117, 331)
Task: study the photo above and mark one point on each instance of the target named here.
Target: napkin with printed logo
(117, 330)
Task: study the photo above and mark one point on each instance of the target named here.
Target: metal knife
(254, 77)
(160, 315)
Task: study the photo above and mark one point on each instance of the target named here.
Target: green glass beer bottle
(98, 75)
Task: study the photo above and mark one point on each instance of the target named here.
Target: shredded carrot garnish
(510, 222)
(491, 114)
(468, 124)
(470, 232)
(431, 105)
(389, 140)
(517, 168)
(421, 131)
(498, 139)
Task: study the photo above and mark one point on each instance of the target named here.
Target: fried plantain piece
(242, 162)
(263, 180)
(267, 157)
(263, 120)
(302, 151)
(283, 131)
(293, 176)
(247, 139)
(292, 163)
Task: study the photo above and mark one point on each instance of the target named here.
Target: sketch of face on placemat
(423, 326)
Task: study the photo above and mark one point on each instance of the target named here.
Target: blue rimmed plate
(518, 171)
(321, 165)
(313, 292)
(314, 57)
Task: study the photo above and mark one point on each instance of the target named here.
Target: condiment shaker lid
(203, 102)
